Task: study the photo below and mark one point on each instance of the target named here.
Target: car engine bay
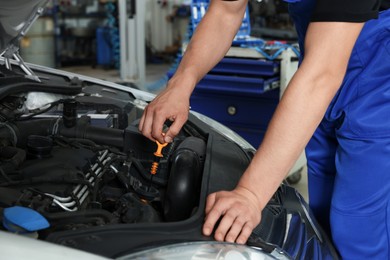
(80, 162)
(76, 171)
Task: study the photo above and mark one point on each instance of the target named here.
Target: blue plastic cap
(23, 218)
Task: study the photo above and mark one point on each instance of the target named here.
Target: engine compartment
(80, 162)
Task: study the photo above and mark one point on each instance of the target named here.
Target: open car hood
(16, 17)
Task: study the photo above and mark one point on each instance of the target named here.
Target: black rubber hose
(104, 136)
(71, 216)
(19, 87)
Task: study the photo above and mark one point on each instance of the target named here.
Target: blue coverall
(349, 154)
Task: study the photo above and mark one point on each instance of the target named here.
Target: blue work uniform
(349, 154)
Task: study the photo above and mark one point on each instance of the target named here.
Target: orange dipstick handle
(160, 146)
(158, 154)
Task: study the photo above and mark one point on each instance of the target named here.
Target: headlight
(225, 131)
(205, 251)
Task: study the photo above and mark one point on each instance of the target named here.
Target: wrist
(253, 195)
(184, 82)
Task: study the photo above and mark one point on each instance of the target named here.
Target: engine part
(45, 127)
(81, 192)
(185, 178)
(11, 158)
(20, 84)
(135, 210)
(69, 114)
(39, 146)
(157, 156)
(10, 107)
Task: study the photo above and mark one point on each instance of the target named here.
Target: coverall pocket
(368, 113)
(360, 235)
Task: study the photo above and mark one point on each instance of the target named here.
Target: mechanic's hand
(240, 213)
(171, 104)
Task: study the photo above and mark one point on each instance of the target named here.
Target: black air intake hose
(15, 85)
(82, 130)
(183, 190)
(100, 135)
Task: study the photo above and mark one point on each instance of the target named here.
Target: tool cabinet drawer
(236, 85)
(241, 66)
(236, 109)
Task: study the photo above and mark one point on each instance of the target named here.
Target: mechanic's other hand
(171, 104)
(239, 211)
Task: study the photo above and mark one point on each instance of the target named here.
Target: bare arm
(328, 47)
(211, 41)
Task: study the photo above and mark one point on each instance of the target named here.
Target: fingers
(233, 227)
(174, 129)
(237, 215)
(210, 202)
(146, 123)
(211, 219)
(151, 126)
(216, 207)
(142, 120)
(156, 125)
(224, 226)
(245, 233)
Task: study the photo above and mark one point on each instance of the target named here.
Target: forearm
(210, 42)
(295, 120)
(302, 107)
